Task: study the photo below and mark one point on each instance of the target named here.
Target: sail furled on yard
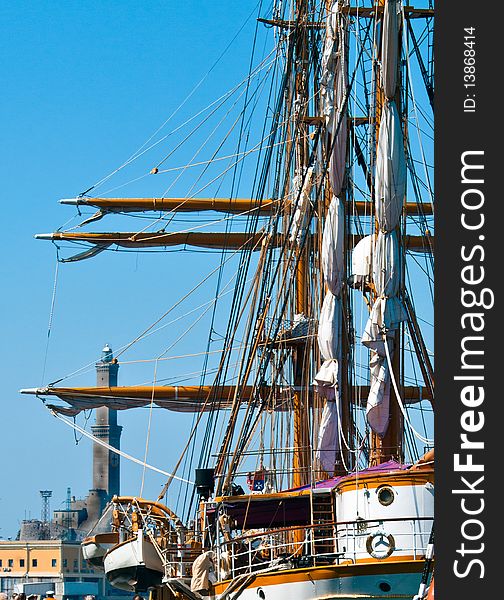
(390, 189)
(334, 83)
(328, 379)
(175, 398)
(390, 47)
(386, 315)
(390, 177)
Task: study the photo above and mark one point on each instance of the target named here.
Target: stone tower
(106, 464)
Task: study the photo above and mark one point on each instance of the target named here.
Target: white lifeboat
(134, 565)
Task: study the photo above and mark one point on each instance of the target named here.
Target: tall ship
(308, 467)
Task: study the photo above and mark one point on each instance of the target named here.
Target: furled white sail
(390, 179)
(329, 333)
(378, 403)
(390, 47)
(387, 311)
(333, 247)
(327, 380)
(328, 441)
(334, 83)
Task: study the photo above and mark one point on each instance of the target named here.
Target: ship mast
(345, 460)
(301, 457)
(389, 446)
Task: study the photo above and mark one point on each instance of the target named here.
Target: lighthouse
(106, 463)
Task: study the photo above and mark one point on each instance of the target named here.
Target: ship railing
(174, 567)
(338, 542)
(176, 557)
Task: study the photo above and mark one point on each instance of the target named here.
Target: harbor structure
(47, 556)
(82, 515)
(106, 463)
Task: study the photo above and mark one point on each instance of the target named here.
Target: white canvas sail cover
(329, 333)
(378, 402)
(387, 264)
(329, 58)
(334, 83)
(328, 441)
(386, 315)
(333, 246)
(387, 311)
(390, 47)
(327, 380)
(390, 179)
(362, 261)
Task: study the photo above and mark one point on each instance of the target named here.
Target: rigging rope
(398, 397)
(116, 450)
(191, 93)
(147, 439)
(51, 315)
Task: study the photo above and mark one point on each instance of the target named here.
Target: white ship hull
(387, 580)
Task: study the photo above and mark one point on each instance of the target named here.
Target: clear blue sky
(84, 83)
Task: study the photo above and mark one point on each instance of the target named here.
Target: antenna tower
(46, 514)
(68, 510)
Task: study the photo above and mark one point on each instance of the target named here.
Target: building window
(76, 565)
(21, 562)
(53, 562)
(11, 562)
(1, 565)
(65, 563)
(34, 562)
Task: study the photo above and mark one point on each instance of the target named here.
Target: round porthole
(384, 586)
(385, 495)
(261, 594)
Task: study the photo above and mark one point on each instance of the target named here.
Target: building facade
(38, 566)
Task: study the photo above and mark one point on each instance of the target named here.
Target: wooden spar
(364, 12)
(142, 392)
(231, 241)
(194, 395)
(225, 205)
(155, 508)
(361, 207)
(347, 392)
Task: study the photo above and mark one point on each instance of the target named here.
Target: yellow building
(41, 565)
